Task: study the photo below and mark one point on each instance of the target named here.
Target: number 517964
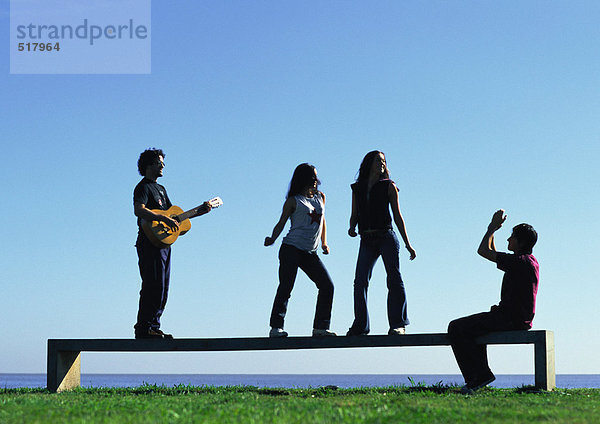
(41, 47)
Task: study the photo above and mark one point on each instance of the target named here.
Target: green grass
(415, 404)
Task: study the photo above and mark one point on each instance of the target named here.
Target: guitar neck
(197, 211)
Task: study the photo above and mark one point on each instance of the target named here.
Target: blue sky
(477, 105)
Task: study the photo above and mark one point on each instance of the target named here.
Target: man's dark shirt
(519, 287)
(152, 195)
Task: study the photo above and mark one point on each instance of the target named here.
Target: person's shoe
(322, 332)
(277, 332)
(150, 333)
(165, 335)
(470, 388)
(400, 331)
(353, 332)
(466, 390)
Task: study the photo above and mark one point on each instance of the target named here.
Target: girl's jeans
(384, 244)
(290, 259)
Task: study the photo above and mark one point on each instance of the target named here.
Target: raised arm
(353, 217)
(487, 248)
(393, 196)
(288, 209)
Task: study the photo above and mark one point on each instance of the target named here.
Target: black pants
(155, 269)
(290, 259)
(471, 357)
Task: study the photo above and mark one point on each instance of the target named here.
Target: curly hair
(148, 157)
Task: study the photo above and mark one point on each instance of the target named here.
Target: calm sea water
(570, 381)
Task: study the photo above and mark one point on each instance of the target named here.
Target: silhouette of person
(154, 262)
(515, 310)
(372, 195)
(305, 207)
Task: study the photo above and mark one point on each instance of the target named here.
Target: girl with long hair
(373, 194)
(305, 207)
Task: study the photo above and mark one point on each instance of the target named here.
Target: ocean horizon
(35, 380)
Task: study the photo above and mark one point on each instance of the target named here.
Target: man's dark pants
(155, 269)
(290, 259)
(471, 357)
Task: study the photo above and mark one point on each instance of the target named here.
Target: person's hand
(412, 252)
(171, 223)
(497, 220)
(352, 232)
(207, 206)
(325, 248)
(269, 241)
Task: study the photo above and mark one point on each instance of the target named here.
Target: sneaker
(277, 332)
(165, 335)
(469, 389)
(466, 390)
(353, 332)
(150, 333)
(321, 332)
(400, 331)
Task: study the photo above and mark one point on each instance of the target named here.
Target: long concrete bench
(64, 355)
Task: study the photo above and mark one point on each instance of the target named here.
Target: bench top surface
(266, 343)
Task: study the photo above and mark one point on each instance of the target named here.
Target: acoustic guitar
(162, 236)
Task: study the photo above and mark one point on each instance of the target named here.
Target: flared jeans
(372, 246)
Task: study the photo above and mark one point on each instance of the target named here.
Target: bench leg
(64, 370)
(545, 375)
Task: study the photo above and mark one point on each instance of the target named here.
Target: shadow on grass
(24, 390)
(273, 392)
(439, 387)
(529, 389)
(331, 390)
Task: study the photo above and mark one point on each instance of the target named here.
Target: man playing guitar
(154, 262)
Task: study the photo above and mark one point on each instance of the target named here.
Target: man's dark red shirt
(519, 287)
